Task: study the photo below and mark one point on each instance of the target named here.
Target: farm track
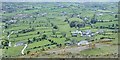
(24, 49)
(74, 49)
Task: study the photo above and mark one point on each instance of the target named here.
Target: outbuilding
(83, 42)
(19, 44)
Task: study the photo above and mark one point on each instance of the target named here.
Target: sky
(59, 0)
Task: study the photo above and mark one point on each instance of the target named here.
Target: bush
(55, 27)
(28, 52)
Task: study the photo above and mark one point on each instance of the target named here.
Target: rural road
(24, 49)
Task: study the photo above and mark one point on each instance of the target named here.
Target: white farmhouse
(83, 42)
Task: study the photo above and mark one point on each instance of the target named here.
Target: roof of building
(83, 42)
(19, 43)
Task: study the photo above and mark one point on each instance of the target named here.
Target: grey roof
(19, 43)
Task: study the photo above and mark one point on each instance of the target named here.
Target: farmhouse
(85, 33)
(86, 18)
(75, 33)
(63, 13)
(83, 42)
(99, 32)
(9, 44)
(11, 21)
(43, 14)
(19, 44)
(88, 33)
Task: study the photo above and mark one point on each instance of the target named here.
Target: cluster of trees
(5, 44)
(113, 26)
(55, 27)
(26, 30)
(93, 21)
(34, 39)
(106, 38)
(80, 25)
(66, 20)
(76, 24)
(52, 42)
(47, 45)
(42, 46)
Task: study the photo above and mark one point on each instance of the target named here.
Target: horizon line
(59, 1)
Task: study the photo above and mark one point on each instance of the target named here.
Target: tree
(64, 34)
(5, 43)
(34, 39)
(67, 39)
(66, 20)
(17, 35)
(33, 29)
(6, 26)
(28, 52)
(73, 24)
(59, 45)
(48, 47)
(8, 33)
(74, 41)
(29, 41)
(44, 36)
(113, 25)
(93, 21)
(43, 49)
(53, 31)
(38, 32)
(101, 27)
(80, 25)
(52, 24)
(55, 27)
(116, 16)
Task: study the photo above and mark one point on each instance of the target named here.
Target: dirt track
(75, 49)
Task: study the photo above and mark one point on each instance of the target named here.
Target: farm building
(74, 35)
(85, 33)
(76, 32)
(19, 44)
(99, 32)
(43, 14)
(63, 13)
(11, 21)
(9, 44)
(83, 42)
(86, 18)
(88, 33)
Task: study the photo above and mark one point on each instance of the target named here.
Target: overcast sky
(59, 0)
